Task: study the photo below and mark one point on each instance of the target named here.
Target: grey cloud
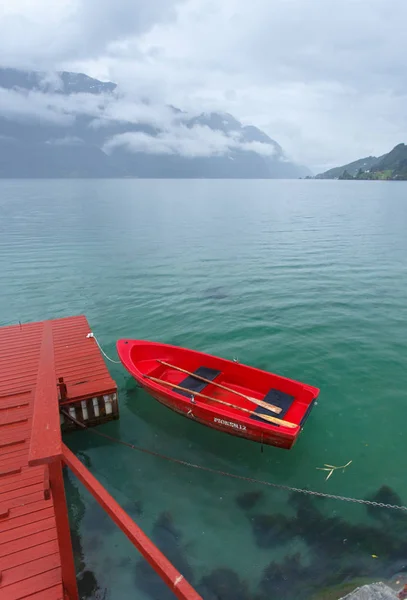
(62, 109)
(173, 136)
(197, 141)
(106, 21)
(51, 82)
(325, 78)
(28, 106)
(66, 141)
(44, 33)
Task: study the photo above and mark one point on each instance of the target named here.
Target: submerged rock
(168, 539)
(223, 584)
(215, 293)
(285, 580)
(134, 508)
(248, 500)
(94, 543)
(96, 520)
(385, 495)
(88, 587)
(338, 551)
(270, 530)
(150, 583)
(77, 549)
(305, 506)
(374, 591)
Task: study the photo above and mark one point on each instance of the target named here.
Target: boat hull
(226, 425)
(142, 360)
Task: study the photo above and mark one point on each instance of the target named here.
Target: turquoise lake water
(307, 279)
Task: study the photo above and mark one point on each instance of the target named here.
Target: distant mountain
(83, 140)
(352, 168)
(391, 166)
(62, 82)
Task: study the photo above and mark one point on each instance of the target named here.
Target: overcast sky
(324, 78)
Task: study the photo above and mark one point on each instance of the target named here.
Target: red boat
(220, 393)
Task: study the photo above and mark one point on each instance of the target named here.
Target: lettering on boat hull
(230, 424)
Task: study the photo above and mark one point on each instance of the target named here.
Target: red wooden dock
(36, 560)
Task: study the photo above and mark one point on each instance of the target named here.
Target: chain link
(280, 486)
(334, 497)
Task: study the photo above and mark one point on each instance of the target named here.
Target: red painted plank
(19, 377)
(26, 395)
(45, 442)
(11, 470)
(6, 550)
(47, 484)
(12, 433)
(17, 384)
(54, 593)
(13, 404)
(13, 416)
(26, 556)
(64, 534)
(29, 490)
(9, 441)
(11, 446)
(22, 480)
(25, 509)
(22, 500)
(18, 456)
(35, 567)
(79, 361)
(11, 452)
(33, 585)
(16, 462)
(25, 471)
(25, 530)
(22, 409)
(38, 515)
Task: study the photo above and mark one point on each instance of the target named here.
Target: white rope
(116, 362)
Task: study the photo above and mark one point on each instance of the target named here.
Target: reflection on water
(332, 551)
(306, 279)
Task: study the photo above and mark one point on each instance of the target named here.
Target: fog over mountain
(324, 79)
(71, 125)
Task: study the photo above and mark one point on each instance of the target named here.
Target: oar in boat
(272, 407)
(274, 420)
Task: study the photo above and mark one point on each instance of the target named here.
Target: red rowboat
(220, 393)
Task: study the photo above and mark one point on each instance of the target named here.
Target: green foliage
(389, 167)
(346, 175)
(352, 168)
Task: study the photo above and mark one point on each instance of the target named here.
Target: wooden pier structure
(43, 367)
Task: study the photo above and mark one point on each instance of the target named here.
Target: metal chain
(334, 497)
(280, 486)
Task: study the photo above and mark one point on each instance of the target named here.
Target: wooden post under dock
(44, 366)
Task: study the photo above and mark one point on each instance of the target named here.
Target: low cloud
(23, 105)
(192, 142)
(326, 78)
(174, 135)
(42, 33)
(69, 140)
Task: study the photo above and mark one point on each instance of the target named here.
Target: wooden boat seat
(277, 398)
(195, 385)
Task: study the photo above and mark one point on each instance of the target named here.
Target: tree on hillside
(345, 175)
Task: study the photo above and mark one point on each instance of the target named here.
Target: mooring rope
(92, 335)
(232, 475)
